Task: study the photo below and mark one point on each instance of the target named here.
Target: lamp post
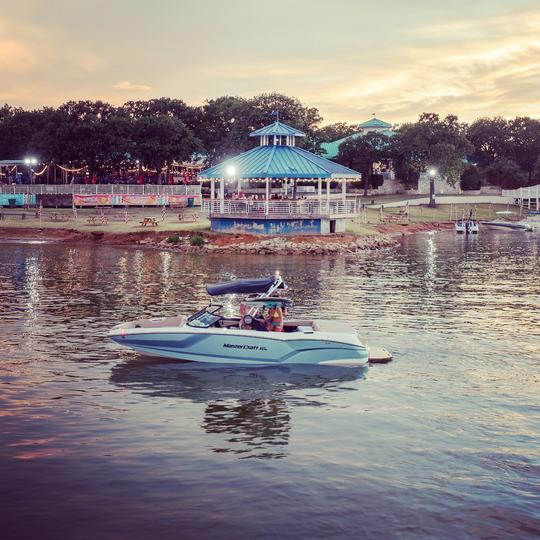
(31, 162)
(432, 174)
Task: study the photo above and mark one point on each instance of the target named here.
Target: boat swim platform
(378, 355)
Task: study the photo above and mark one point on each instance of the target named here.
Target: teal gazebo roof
(375, 123)
(277, 128)
(274, 161)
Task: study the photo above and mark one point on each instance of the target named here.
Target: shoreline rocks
(386, 236)
(281, 245)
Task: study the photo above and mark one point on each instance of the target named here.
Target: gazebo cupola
(277, 134)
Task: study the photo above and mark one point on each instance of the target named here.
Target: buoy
(378, 355)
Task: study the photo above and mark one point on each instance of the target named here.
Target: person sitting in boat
(274, 320)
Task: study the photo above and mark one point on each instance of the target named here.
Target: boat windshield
(205, 318)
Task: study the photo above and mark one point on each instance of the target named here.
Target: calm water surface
(444, 442)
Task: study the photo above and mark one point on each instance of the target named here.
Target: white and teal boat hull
(317, 346)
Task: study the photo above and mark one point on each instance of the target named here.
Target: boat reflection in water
(251, 405)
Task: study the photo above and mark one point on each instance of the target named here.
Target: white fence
(102, 189)
(525, 196)
(301, 207)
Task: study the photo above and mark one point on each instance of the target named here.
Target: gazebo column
(239, 185)
(328, 195)
(267, 186)
(344, 192)
(284, 187)
(319, 193)
(222, 196)
(212, 188)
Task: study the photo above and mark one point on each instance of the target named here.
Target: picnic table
(188, 217)
(96, 219)
(58, 217)
(152, 221)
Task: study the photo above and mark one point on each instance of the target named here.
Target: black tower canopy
(242, 286)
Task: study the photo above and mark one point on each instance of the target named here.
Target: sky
(348, 58)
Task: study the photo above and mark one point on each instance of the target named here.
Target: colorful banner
(19, 198)
(130, 200)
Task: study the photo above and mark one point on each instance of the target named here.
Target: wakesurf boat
(248, 338)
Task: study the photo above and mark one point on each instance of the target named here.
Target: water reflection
(251, 407)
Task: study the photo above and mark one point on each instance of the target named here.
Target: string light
(72, 170)
(42, 171)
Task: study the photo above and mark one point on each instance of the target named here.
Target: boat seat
(228, 323)
(158, 323)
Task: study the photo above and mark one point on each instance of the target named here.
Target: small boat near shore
(260, 334)
(507, 220)
(467, 226)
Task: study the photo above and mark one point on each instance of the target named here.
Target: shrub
(470, 179)
(196, 240)
(174, 239)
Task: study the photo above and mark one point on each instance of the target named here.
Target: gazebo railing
(300, 207)
(101, 189)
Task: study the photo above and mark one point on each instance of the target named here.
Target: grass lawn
(364, 224)
(63, 218)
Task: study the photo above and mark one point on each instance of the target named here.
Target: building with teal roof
(278, 163)
(330, 150)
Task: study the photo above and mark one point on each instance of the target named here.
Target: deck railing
(273, 208)
(101, 189)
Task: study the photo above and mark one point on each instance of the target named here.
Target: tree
(470, 179)
(506, 174)
(490, 138)
(432, 142)
(525, 138)
(159, 140)
(361, 152)
(174, 108)
(333, 132)
(224, 127)
(537, 168)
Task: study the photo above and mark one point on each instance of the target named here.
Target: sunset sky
(349, 58)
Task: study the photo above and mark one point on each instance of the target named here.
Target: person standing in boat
(274, 321)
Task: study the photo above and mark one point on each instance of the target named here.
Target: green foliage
(490, 138)
(537, 168)
(471, 179)
(333, 132)
(361, 152)
(173, 239)
(525, 138)
(196, 240)
(432, 142)
(506, 174)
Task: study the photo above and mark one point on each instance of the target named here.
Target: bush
(470, 179)
(376, 181)
(196, 240)
(174, 239)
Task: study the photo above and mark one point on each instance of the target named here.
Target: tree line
(495, 151)
(154, 133)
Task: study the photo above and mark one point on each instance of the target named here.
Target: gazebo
(278, 160)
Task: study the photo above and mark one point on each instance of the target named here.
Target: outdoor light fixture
(231, 170)
(432, 173)
(30, 161)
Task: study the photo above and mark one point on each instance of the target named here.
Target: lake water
(444, 442)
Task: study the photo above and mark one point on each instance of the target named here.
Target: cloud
(15, 57)
(126, 85)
